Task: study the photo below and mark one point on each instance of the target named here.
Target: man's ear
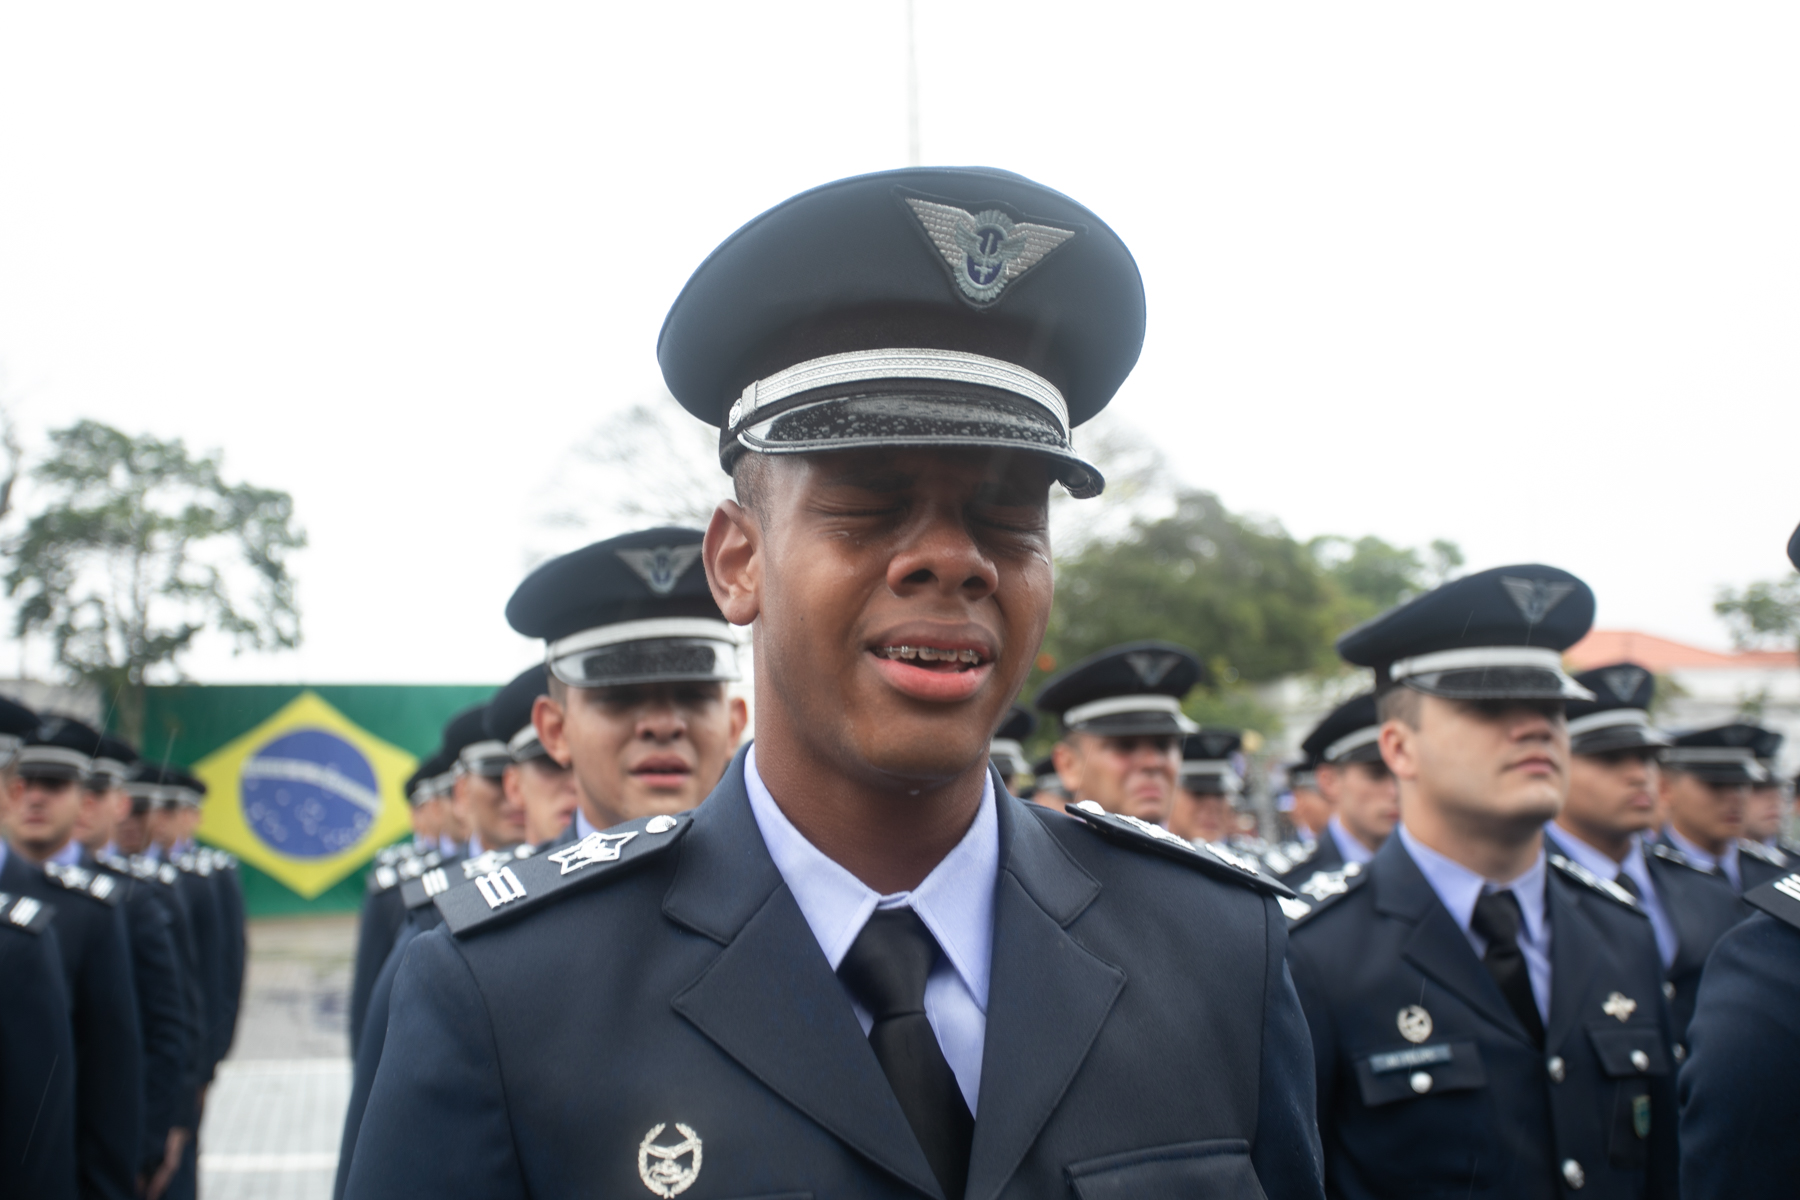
(1399, 749)
(740, 717)
(1068, 767)
(547, 718)
(732, 553)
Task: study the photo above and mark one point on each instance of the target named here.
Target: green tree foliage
(138, 549)
(1763, 614)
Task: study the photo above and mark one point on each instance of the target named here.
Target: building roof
(1662, 655)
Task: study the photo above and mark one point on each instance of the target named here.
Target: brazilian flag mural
(304, 784)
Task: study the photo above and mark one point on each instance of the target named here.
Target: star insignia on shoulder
(594, 848)
(1768, 854)
(1326, 888)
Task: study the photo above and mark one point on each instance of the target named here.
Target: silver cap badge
(663, 566)
(986, 250)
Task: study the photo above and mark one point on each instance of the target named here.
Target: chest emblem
(1619, 1005)
(1414, 1023)
(662, 1167)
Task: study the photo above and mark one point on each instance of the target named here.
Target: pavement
(276, 1110)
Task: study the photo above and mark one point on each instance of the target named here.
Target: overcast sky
(1524, 276)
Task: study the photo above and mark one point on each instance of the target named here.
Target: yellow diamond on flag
(307, 796)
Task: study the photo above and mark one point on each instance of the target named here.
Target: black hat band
(655, 650)
(487, 759)
(53, 762)
(1365, 739)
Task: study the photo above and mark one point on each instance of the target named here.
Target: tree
(1373, 576)
(1765, 613)
(139, 549)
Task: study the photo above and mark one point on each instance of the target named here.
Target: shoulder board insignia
(97, 884)
(1141, 835)
(23, 912)
(193, 864)
(1779, 898)
(116, 863)
(1768, 854)
(389, 855)
(522, 884)
(1605, 887)
(420, 891)
(1670, 854)
(391, 875)
(1288, 856)
(1326, 888)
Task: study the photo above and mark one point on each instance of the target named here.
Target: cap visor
(654, 660)
(1498, 683)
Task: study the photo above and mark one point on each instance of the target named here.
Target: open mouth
(662, 772)
(944, 671)
(933, 658)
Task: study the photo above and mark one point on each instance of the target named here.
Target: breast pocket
(1217, 1169)
(1630, 1056)
(1417, 1071)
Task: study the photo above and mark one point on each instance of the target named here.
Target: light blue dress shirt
(956, 902)
(1352, 850)
(69, 855)
(1459, 888)
(1726, 862)
(1637, 870)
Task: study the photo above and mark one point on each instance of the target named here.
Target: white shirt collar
(956, 901)
(1584, 854)
(1459, 888)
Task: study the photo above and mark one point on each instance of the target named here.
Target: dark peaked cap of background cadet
(468, 746)
(631, 609)
(509, 713)
(1618, 717)
(1126, 691)
(1719, 754)
(1206, 768)
(1494, 635)
(59, 748)
(1007, 750)
(16, 721)
(923, 307)
(1350, 733)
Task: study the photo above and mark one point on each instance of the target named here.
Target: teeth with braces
(931, 654)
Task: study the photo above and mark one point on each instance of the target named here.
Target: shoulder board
(389, 855)
(145, 867)
(1768, 854)
(1779, 898)
(1211, 860)
(1669, 854)
(1323, 889)
(529, 883)
(1290, 858)
(97, 884)
(391, 875)
(118, 864)
(193, 864)
(423, 889)
(1605, 887)
(23, 912)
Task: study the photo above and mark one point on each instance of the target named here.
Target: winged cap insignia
(594, 848)
(1623, 682)
(661, 567)
(1535, 597)
(1150, 668)
(985, 250)
(660, 1167)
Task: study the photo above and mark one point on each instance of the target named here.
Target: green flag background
(191, 725)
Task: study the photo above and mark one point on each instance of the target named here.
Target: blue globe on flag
(309, 794)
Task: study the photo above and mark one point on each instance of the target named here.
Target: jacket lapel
(1572, 973)
(1047, 999)
(770, 1000)
(1437, 947)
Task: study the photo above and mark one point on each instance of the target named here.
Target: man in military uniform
(1764, 813)
(37, 1052)
(860, 968)
(1487, 1019)
(1612, 805)
(1359, 790)
(43, 802)
(642, 736)
(1739, 1105)
(1705, 786)
(542, 788)
(1206, 790)
(1120, 712)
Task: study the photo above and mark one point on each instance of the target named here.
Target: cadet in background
(1705, 788)
(1358, 790)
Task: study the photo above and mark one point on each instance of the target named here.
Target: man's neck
(1713, 846)
(885, 833)
(39, 853)
(1495, 852)
(1615, 846)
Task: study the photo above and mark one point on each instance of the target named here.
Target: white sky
(1526, 276)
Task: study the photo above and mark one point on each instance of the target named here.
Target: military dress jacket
(212, 967)
(1703, 909)
(666, 1022)
(1428, 1084)
(37, 1057)
(383, 912)
(1325, 857)
(109, 1063)
(1740, 1107)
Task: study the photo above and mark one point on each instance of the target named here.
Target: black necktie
(1629, 884)
(1497, 918)
(885, 970)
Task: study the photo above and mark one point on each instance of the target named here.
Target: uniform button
(1421, 1082)
(1680, 1052)
(1640, 1060)
(1668, 990)
(1573, 1175)
(1557, 1069)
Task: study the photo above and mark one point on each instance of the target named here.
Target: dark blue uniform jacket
(37, 1057)
(1143, 1038)
(1491, 1118)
